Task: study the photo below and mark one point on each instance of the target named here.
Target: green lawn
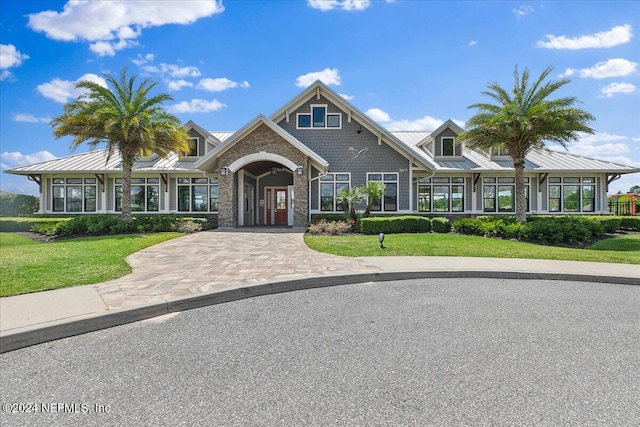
(28, 266)
(623, 249)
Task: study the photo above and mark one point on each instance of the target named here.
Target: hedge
(18, 204)
(630, 223)
(396, 224)
(14, 225)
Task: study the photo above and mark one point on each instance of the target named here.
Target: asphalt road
(421, 352)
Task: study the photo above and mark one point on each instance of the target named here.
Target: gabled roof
(450, 124)
(209, 137)
(96, 162)
(318, 88)
(210, 160)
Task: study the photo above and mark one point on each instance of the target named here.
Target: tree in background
(18, 204)
(125, 118)
(523, 121)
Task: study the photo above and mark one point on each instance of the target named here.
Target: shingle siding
(346, 150)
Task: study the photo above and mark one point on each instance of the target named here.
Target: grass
(624, 249)
(28, 266)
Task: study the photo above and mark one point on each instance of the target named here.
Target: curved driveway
(218, 259)
(211, 261)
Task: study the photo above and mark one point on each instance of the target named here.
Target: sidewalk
(217, 266)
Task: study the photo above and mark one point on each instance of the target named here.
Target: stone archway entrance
(265, 189)
(266, 194)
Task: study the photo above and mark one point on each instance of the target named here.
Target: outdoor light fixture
(274, 171)
(300, 169)
(224, 171)
(381, 239)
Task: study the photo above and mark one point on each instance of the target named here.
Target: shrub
(102, 224)
(315, 218)
(472, 226)
(610, 224)
(395, 224)
(630, 223)
(565, 229)
(440, 225)
(18, 204)
(330, 227)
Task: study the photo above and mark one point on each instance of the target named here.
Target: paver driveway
(219, 259)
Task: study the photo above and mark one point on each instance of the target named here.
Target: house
(285, 168)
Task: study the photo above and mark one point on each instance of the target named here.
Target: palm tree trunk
(521, 205)
(127, 166)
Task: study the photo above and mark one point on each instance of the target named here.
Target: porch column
(227, 216)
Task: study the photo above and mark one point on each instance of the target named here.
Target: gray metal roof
(96, 162)
(539, 161)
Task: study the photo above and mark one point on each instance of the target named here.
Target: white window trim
(450, 184)
(580, 184)
(335, 195)
(527, 183)
(191, 184)
(442, 138)
(327, 113)
(397, 181)
(198, 153)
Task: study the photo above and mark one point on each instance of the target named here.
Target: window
(572, 194)
(318, 118)
(330, 187)
(441, 194)
(145, 194)
(195, 148)
(74, 194)
(447, 146)
(197, 195)
(499, 194)
(389, 200)
(319, 114)
(501, 151)
(304, 120)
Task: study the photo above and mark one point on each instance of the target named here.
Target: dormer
(201, 141)
(499, 153)
(443, 142)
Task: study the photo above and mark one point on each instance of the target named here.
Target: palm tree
(127, 119)
(349, 197)
(524, 121)
(374, 191)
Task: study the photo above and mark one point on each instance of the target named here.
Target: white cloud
(177, 84)
(196, 106)
(624, 183)
(616, 67)
(113, 25)
(328, 76)
(220, 84)
(349, 5)
(141, 60)
(600, 137)
(426, 123)
(9, 57)
(62, 90)
(345, 96)
(472, 43)
(28, 118)
(523, 11)
(378, 115)
(617, 35)
(104, 48)
(611, 89)
(172, 70)
(15, 158)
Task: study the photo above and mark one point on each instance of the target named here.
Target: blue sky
(409, 64)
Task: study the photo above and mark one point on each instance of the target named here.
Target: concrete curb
(25, 337)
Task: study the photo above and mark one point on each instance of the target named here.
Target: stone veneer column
(227, 193)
